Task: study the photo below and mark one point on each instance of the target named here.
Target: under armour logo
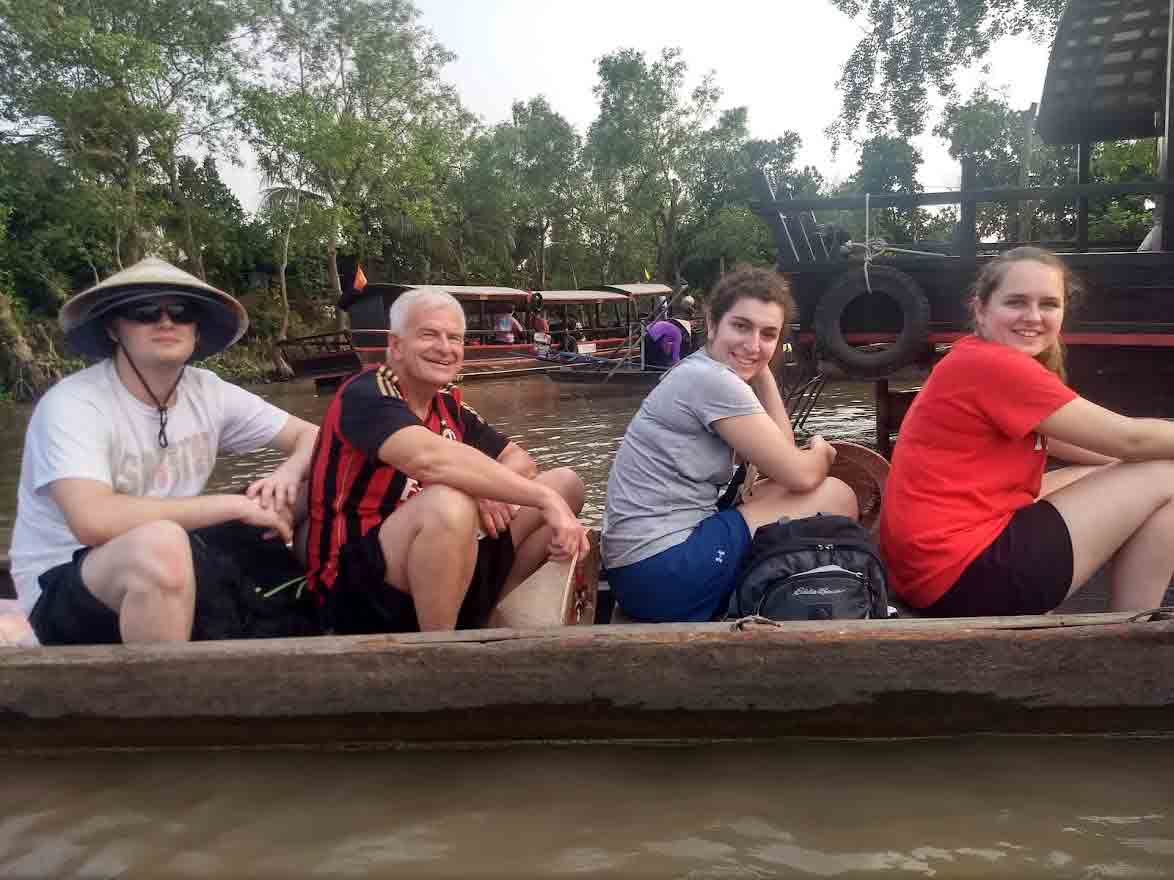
(721, 557)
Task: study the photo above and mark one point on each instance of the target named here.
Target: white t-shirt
(90, 427)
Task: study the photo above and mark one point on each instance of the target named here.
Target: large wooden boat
(554, 668)
(596, 321)
(873, 307)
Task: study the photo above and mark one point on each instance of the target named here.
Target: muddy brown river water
(970, 807)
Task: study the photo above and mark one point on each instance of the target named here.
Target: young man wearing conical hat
(117, 455)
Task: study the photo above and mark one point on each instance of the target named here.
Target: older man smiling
(422, 515)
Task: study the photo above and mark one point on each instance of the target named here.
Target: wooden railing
(777, 211)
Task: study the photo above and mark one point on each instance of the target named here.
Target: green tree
(351, 112)
(889, 164)
(909, 47)
(478, 240)
(644, 141)
(986, 129)
(544, 155)
(120, 88)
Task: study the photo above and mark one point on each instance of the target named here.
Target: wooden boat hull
(542, 678)
(1039, 675)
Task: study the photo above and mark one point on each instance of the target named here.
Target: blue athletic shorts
(689, 582)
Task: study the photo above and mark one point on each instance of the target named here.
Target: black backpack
(816, 568)
(248, 587)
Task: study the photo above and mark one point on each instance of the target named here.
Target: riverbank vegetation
(116, 113)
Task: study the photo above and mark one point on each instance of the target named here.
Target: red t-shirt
(968, 457)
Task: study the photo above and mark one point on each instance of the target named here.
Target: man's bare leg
(430, 545)
(146, 577)
(531, 535)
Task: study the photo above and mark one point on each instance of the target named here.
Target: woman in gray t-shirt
(670, 554)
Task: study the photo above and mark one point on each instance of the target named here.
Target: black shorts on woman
(1027, 569)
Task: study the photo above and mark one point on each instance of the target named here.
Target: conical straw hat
(222, 319)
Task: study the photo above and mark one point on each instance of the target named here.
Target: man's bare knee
(448, 509)
(568, 484)
(161, 559)
(154, 558)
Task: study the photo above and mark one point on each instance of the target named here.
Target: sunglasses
(152, 313)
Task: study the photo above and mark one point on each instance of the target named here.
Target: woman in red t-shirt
(971, 525)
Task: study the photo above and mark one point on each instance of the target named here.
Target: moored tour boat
(597, 322)
(547, 671)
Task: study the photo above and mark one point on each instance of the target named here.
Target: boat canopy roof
(470, 292)
(579, 297)
(1107, 72)
(513, 295)
(644, 289)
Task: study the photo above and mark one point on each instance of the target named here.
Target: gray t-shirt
(672, 464)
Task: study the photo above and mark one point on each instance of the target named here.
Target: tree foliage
(116, 118)
(909, 47)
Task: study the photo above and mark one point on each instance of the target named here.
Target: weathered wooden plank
(863, 678)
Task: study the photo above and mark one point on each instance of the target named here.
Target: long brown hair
(992, 275)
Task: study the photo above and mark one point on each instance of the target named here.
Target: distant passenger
(671, 339)
(971, 524)
(671, 555)
(505, 326)
(117, 455)
(538, 322)
(405, 475)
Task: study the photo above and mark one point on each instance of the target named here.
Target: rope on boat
(875, 247)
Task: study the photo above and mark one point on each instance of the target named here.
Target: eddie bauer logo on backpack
(816, 568)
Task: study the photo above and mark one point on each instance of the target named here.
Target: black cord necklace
(160, 407)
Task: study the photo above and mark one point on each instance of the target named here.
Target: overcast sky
(780, 59)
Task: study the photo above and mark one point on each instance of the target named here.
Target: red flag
(360, 279)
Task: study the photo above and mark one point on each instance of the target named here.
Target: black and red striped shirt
(351, 490)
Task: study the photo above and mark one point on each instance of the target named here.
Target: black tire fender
(887, 281)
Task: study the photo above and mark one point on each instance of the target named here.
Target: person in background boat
(671, 555)
(538, 322)
(670, 339)
(971, 524)
(405, 475)
(505, 326)
(117, 455)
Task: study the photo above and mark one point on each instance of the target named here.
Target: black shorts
(236, 573)
(1026, 570)
(363, 602)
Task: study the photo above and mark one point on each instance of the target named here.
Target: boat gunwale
(1069, 674)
